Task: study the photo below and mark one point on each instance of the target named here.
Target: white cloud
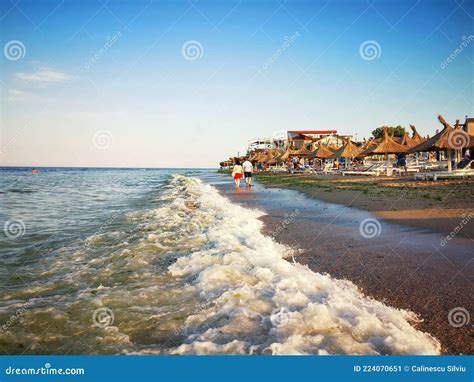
(43, 76)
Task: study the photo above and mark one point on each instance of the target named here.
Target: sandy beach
(406, 265)
(438, 206)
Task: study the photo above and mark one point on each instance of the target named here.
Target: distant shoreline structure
(106, 168)
(307, 150)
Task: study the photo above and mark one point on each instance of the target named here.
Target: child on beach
(237, 172)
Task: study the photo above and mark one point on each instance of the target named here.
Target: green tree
(396, 131)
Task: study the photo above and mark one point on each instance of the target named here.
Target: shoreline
(401, 268)
(436, 206)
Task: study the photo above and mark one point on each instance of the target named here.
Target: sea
(159, 261)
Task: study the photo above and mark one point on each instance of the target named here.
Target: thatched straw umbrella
(386, 146)
(365, 146)
(447, 139)
(416, 138)
(254, 156)
(263, 157)
(303, 151)
(407, 141)
(276, 158)
(287, 154)
(321, 152)
(269, 156)
(272, 161)
(410, 142)
(347, 150)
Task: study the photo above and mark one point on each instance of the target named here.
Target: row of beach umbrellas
(450, 138)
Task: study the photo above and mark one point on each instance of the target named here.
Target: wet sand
(404, 267)
(438, 206)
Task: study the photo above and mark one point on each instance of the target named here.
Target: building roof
(295, 135)
(312, 131)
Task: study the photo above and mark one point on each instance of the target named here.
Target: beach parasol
(269, 156)
(447, 139)
(254, 157)
(365, 146)
(386, 146)
(412, 141)
(287, 154)
(321, 152)
(347, 150)
(276, 158)
(263, 157)
(272, 161)
(303, 151)
(407, 141)
(416, 138)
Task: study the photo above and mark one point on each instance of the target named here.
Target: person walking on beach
(237, 172)
(248, 169)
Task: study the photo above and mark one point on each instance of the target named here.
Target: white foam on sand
(256, 302)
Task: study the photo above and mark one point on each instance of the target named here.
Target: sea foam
(256, 302)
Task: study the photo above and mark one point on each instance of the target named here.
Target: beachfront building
(262, 144)
(296, 139)
(299, 138)
(259, 144)
(469, 125)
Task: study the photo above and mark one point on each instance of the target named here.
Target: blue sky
(111, 83)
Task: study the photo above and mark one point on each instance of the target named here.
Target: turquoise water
(102, 261)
